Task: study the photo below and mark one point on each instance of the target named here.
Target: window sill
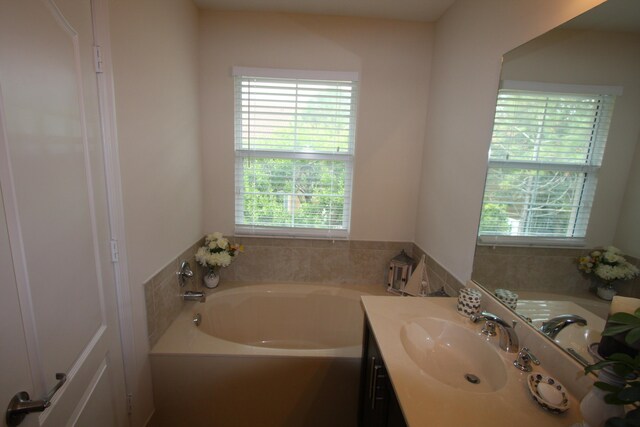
(536, 242)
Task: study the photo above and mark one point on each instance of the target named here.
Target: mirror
(599, 48)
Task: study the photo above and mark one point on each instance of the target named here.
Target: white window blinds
(544, 158)
(294, 145)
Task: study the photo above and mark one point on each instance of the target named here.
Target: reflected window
(546, 150)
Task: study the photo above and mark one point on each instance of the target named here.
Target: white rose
(223, 243)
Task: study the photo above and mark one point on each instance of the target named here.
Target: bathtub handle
(184, 273)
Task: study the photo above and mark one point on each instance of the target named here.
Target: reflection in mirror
(553, 196)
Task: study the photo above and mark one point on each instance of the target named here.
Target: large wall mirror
(597, 53)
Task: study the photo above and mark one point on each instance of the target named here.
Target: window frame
(242, 154)
(590, 168)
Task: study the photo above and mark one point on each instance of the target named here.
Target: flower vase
(211, 278)
(606, 291)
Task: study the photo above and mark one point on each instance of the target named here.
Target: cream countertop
(428, 402)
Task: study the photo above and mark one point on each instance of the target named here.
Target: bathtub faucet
(553, 326)
(194, 296)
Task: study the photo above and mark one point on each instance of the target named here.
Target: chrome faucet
(184, 273)
(525, 359)
(508, 337)
(193, 296)
(553, 326)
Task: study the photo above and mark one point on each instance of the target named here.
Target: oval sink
(453, 355)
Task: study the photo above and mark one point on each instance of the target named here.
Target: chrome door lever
(21, 404)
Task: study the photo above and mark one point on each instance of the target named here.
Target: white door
(57, 293)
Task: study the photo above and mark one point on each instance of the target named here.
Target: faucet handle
(525, 359)
(489, 329)
(490, 320)
(184, 273)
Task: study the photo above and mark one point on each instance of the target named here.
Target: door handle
(21, 404)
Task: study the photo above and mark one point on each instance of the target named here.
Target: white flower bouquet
(608, 264)
(217, 251)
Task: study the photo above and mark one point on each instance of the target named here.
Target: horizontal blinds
(302, 116)
(294, 142)
(551, 128)
(545, 153)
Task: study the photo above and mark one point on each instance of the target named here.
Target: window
(294, 150)
(547, 147)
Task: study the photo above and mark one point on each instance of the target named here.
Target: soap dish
(548, 393)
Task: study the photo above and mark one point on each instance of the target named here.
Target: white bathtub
(274, 319)
(263, 355)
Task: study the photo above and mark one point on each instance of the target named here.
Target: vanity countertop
(426, 401)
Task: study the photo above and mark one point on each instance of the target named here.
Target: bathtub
(263, 355)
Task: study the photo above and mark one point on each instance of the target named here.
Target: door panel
(56, 196)
(14, 367)
(47, 158)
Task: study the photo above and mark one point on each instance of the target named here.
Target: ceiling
(412, 10)
(614, 15)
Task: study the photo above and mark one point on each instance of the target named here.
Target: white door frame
(106, 97)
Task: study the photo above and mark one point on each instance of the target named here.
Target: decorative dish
(548, 393)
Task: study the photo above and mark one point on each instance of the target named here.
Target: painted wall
(628, 231)
(592, 58)
(470, 40)
(393, 58)
(154, 48)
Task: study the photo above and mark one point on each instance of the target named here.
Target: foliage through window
(546, 150)
(294, 145)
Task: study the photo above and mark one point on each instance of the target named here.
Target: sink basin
(453, 355)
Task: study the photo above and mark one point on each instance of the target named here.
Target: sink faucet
(508, 337)
(525, 359)
(553, 326)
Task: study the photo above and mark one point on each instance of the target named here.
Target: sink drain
(472, 378)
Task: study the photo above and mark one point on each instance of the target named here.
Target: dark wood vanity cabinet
(378, 405)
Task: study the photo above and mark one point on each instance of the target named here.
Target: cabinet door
(373, 389)
(379, 406)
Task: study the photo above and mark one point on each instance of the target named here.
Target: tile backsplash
(539, 269)
(311, 260)
(162, 293)
(438, 276)
(267, 259)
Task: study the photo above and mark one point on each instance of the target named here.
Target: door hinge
(97, 59)
(129, 403)
(114, 251)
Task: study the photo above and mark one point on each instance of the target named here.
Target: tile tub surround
(541, 269)
(438, 275)
(286, 260)
(162, 293)
(267, 259)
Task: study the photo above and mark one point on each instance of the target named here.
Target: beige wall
(393, 58)
(470, 40)
(154, 48)
(593, 58)
(628, 231)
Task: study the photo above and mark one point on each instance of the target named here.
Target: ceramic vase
(606, 291)
(594, 409)
(211, 278)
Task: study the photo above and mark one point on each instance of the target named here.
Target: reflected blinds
(294, 145)
(546, 150)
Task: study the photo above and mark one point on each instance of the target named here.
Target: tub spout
(194, 296)
(553, 326)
